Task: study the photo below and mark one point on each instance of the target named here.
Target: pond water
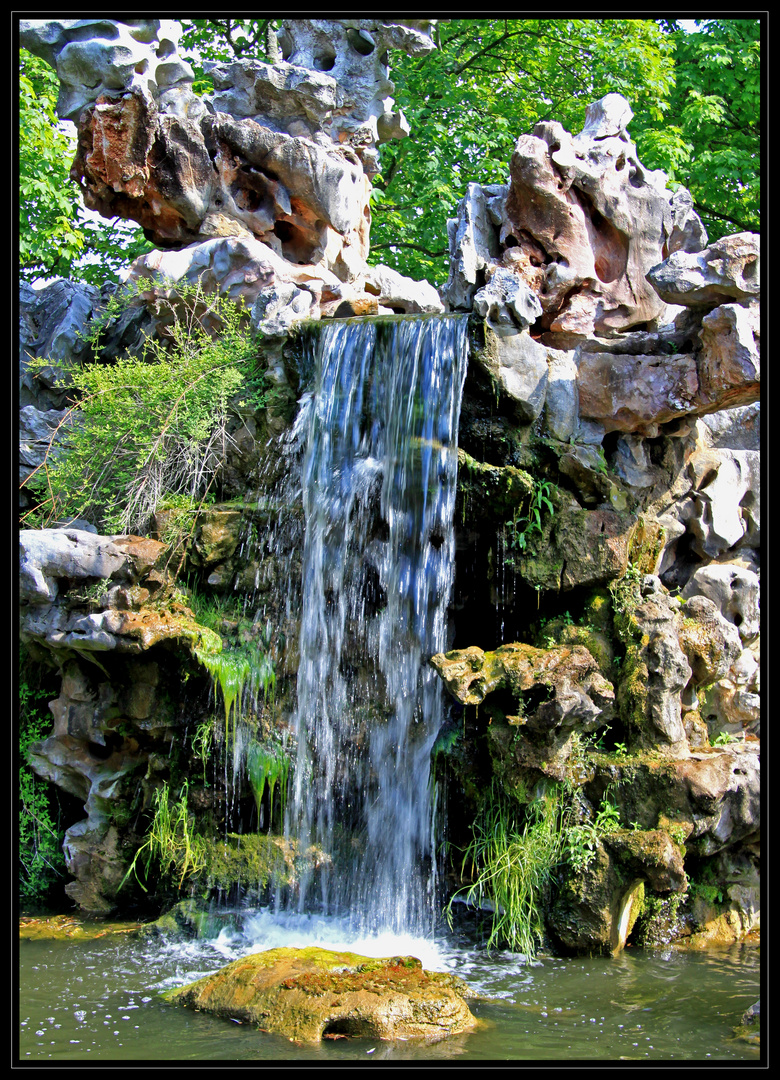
(100, 1000)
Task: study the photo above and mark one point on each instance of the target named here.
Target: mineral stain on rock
(312, 993)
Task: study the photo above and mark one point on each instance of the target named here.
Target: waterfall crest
(378, 483)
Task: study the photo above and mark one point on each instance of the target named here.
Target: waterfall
(378, 482)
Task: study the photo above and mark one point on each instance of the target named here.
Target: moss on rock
(308, 993)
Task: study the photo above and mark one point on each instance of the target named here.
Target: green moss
(251, 860)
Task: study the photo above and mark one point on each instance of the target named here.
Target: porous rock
(726, 270)
(311, 993)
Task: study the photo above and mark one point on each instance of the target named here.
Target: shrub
(41, 861)
(151, 427)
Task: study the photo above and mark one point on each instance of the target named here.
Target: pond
(99, 1000)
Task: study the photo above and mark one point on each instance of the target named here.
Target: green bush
(41, 861)
(154, 427)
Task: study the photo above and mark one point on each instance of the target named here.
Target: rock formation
(313, 993)
(605, 624)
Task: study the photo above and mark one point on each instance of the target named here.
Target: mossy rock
(254, 860)
(308, 994)
(186, 920)
(71, 928)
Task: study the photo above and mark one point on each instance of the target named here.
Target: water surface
(100, 1000)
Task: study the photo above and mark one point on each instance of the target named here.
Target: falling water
(379, 478)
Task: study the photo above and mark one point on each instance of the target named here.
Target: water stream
(379, 480)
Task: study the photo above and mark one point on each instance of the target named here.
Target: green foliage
(56, 238)
(525, 525)
(514, 864)
(171, 843)
(490, 81)
(149, 428)
(723, 739)
(711, 138)
(41, 861)
(582, 840)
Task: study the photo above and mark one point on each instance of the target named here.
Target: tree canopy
(695, 96)
(491, 81)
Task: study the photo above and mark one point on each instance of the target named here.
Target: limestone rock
(578, 547)
(585, 916)
(97, 56)
(331, 81)
(726, 270)
(507, 301)
(587, 222)
(51, 322)
(726, 500)
(518, 366)
(636, 393)
(738, 428)
(49, 555)
(399, 293)
(654, 674)
(473, 245)
(578, 695)
(310, 993)
(710, 642)
(729, 363)
(651, 855)
(562, 397)
(734, 590)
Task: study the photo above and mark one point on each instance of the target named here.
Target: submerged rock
(313, 993)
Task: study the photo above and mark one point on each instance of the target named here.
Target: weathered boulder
(728, 363)
(654, 673)
(51, 325)
(586, 221)
(710, 642)
(312, 993)
(518, 367)
(735, 592)
(473, 245)
(636, 393)
(579, 546)
(48, 556)
(728, 269)
(330, 81)
(725, 502)
(575, 693)
(562, 398)
(738, 428)
(93, 57)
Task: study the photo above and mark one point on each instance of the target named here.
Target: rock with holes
(313, 994)
(734, 590)
(283, 153)
(553, 691)
(727, 270)
(726, 507)
(330, 80)
(95, 57)
(585, 221)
